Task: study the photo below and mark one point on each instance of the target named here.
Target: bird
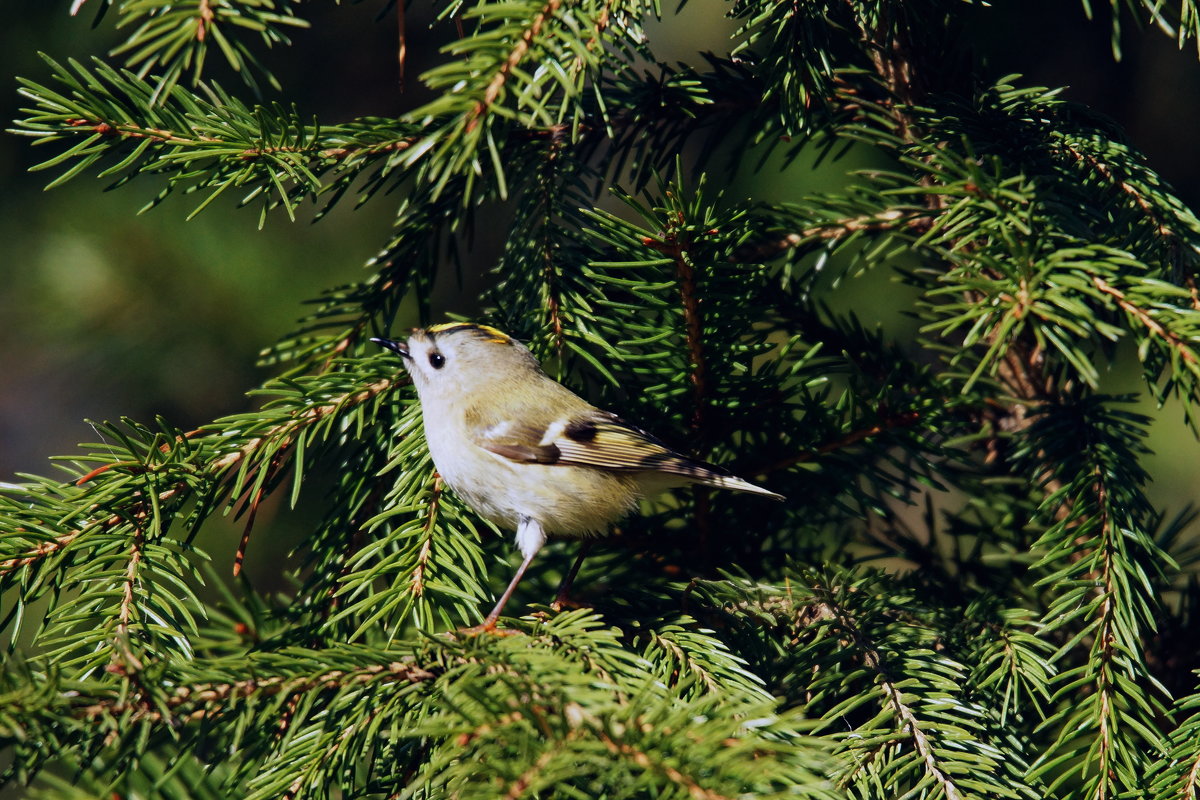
(525, 452)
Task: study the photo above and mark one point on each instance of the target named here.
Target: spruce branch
(172, 37)
(677, 249)
(1100, 547)
(904, 714)
(1144, 317)
(117, 126)
(1178, 775)
(42, 550)
(417, 582)
(496, 85)
(873, 664)
(1029, 604)
(469, 126)
(902, 420)
(218, 455)
(886, 220)
(201, 701)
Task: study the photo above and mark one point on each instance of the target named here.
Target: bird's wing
(601, 440)
(588, 438)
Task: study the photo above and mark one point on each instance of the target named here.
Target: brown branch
(834, 229)
(893, 694)
(286, 430)
(1191, 284)
(162, 136)
(1105, 639)
(129, 664)
(215, 467)
(131, 570)
(892, 61)
(64, 540)
(192, 699)
(902, 420)
(643, 760)
(417, 583)
(524, 780)
(514, 58)
(550, 274)
(1193, 776)
(240, 555)
(41, 551)
(695, 337)
(204, 19)
(685, 273)
(597, 32)
(1125, 187)
(127, 131)
(396, 146)
(1186, 352)
(131, 466)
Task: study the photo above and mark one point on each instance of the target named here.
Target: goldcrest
(525, 452)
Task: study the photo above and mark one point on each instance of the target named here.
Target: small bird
(527, 453)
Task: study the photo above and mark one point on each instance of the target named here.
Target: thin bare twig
(240, 556)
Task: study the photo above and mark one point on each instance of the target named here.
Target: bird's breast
(566, 500)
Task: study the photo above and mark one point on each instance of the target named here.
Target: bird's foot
(488, 627)
(562, 601)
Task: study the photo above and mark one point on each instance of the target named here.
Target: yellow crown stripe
(492, 334)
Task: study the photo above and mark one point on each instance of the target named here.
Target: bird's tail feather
(736, 484)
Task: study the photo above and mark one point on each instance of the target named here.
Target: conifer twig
(646, 761)
(484, 105)
(893, 694)
(162, 136)
(417, 582)
(902, 420)
(39, 552)
(1143, 316)
(194, 701)
(215, 467)
(834, 229)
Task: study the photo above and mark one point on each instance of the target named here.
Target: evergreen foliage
(1030, 646)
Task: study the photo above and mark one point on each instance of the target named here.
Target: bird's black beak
(399, 348)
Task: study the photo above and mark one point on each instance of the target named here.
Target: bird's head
(462, 359)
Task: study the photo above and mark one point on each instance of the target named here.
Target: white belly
(565, 500)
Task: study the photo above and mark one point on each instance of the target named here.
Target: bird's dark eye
(436, 360)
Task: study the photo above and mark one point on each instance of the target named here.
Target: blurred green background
(108, 313)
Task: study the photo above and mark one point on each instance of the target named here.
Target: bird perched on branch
(527, 453)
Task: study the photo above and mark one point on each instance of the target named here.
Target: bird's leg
(560, 599)
(530, 538)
